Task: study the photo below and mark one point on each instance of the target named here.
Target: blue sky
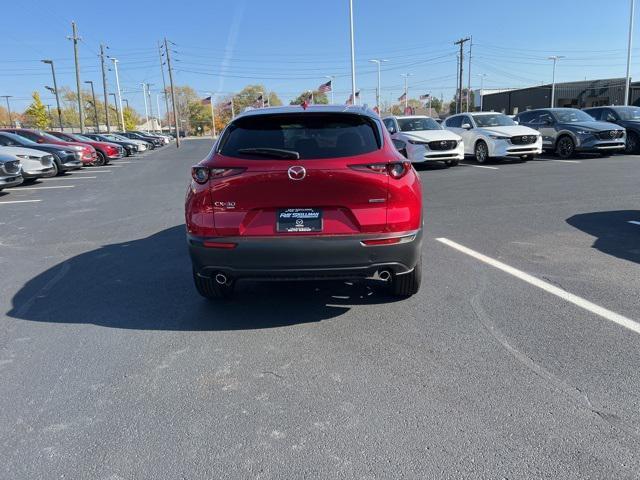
(289, 45)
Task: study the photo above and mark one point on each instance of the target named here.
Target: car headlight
(417, 142)
(584, 132)
(499, 137)
(21, 155)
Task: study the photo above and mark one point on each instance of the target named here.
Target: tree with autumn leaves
(36, 114)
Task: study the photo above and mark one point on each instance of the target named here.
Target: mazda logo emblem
(443, 143)
(297, 172)
(613, 133)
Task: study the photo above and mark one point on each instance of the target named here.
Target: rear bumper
(285, 258)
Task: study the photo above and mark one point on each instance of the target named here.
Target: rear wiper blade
(271, 152)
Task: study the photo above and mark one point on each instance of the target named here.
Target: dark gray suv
(569, 130)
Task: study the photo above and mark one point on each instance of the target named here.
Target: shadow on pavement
(614, 234)
(147, 284)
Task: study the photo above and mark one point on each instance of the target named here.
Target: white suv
(492, 135)
(422, 139)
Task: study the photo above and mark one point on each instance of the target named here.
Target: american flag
(350, 99)
(206, 101)
(402, 97)
(425, 96)
(258, 102)
(325, 87)
(228, 105)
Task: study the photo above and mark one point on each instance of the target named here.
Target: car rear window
(311, 135)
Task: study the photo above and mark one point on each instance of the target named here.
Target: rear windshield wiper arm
(271, 152)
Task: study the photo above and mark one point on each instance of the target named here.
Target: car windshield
(493, 120)
(82, 138)
(301, 135)
(50, 137)
(418, 124)
(116, 137)
(571, 115)
(18, 139)
(629, 113)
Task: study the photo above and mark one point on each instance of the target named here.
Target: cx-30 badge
(297, 172)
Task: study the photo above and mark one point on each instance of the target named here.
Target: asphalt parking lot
(517, 359)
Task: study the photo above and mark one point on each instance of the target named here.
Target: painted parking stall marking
(478, 166)
(567, 161)
(68, 178)
(23, 189)
(19, 201)
(605, 313)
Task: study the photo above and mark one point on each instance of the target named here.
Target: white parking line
(635, 222)
(119, 161)
(22, 189)
(68, 178)
(92, 171)
(19, 201)
(567, 161)
(115, 166)
(558, 292)
(478, 166)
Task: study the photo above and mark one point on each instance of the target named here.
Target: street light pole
(627, 86)
(378, 61)
(213, 117)
(353, 54)
(75, 40)
(95, 105)
(158, 105)
(55, 91)
(481, 75)
(7, 97)
(115, 68)
(555, 59)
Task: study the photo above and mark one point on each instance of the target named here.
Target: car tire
(56, 168)
(451, 163)
(565, 147)
(409, 283)
(212, 290)
(101, 160)
(481, 151)
(632, 143)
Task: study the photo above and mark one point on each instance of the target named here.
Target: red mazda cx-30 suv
(292, 193)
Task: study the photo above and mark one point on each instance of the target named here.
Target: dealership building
(581, 94)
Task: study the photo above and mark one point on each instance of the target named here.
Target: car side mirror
(391, 130)
(466, 126)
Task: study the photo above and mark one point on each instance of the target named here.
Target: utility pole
(469, 73)
(7, 97)
(555, 59)
(457, 79)
(115, 68)
(213, 116)
(115, 102)
(461, 42)
(95, 105)
(158, 105)
(173, 93)
(481, 75)
(75, 39)
(406, 88)
(146, 110)
(629, 43)
(150, 102)
(353, 55)
(55, 91)
(105, 88)
(164, 84)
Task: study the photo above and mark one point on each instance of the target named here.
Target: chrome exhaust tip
(221, 278)
(384, 275)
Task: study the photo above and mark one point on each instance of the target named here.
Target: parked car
(128, 146)
(626, 117)
(304, 194)
(569, 130)
(35, 163)
(64, 158)
(488, 135)
(105, 150)
(88, 153)
(156, 142)
(165, 140)
(140, 144)
(10, 171)
(422, 139)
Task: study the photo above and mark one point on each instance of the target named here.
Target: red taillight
(394, 170)
(111, 150)
(202, 174)
(224, 245)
